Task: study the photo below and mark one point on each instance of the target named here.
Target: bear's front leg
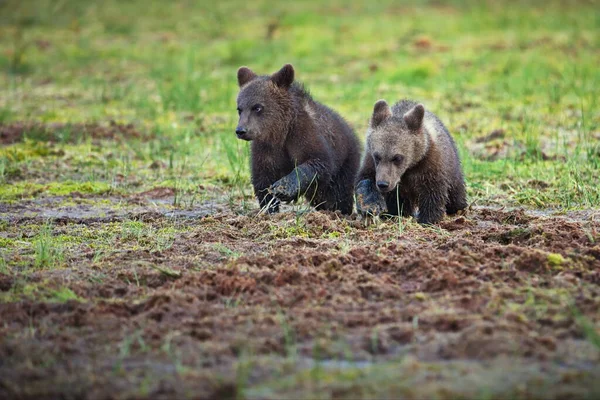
(398, 205)
(432, 207)
(368, 199)
(296, 183)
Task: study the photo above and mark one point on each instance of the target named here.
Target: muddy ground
(211, 303)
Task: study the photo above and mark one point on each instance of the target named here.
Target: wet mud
(504, 302)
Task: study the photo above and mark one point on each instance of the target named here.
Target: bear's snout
(241, 132)
(383, 186)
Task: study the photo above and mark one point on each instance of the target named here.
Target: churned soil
(502, 303)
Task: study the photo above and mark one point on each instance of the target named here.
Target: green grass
(141, 235)
(171, 71)
(49, 252)
(63, 294)
(3, 265)
(38, 292)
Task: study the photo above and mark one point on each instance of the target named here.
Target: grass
(64, 294)
(48, 252)
(142, 235)
(591, 333)
(3, 265)
(42, 291)
(226, 251)
(479, 66)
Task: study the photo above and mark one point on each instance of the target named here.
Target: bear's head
(396, 143)
(264, 104)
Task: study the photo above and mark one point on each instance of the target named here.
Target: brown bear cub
(299, 146)
(411, 162)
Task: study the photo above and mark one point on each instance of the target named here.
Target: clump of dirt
(156, 193)
(495, 134)
(537, 184)
(493, 147)
(60, 132)
(507, 217)
(6, 282)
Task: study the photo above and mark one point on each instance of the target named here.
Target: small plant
(177, 195)
(163, 241)
(233, 301)
(556, 260)
(3, 168)
(374, 341)
(173, 352)
(5, 114)
(401, 223)
(20, 45)
(127, 345)
(184, 197)
(48, 252)
(166, 271)
(289, 336)
(588, 328)
(237, 157)
(226, 251)
(243, 369)
(99, 255)
(63, 295)
(3, 265)
(133, 230)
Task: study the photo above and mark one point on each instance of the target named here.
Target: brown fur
(412, 161)
(299, 146)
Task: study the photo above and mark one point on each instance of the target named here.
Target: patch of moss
(555, 260)
(3, 265)
(41, 291)
(68, 187)
(26, 151)
(286, 232)
(6, 242)
(420, 296)
(27, 190)
(62, 295)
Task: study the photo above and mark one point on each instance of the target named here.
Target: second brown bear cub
(411, 162)
(299, 146)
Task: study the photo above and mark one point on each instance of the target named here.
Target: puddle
(105, 209)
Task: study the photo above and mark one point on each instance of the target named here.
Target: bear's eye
(239, 111)
(257, 108)
(377, 158)
(397, 159)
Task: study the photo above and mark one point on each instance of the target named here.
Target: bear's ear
(381, 112)
(414, 117)
(284, 77)
(245, 75)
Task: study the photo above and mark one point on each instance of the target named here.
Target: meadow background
(524, 70)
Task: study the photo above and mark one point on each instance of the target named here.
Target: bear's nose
(240, 131)
(383, 184)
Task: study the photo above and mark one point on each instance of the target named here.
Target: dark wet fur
(318, 141)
